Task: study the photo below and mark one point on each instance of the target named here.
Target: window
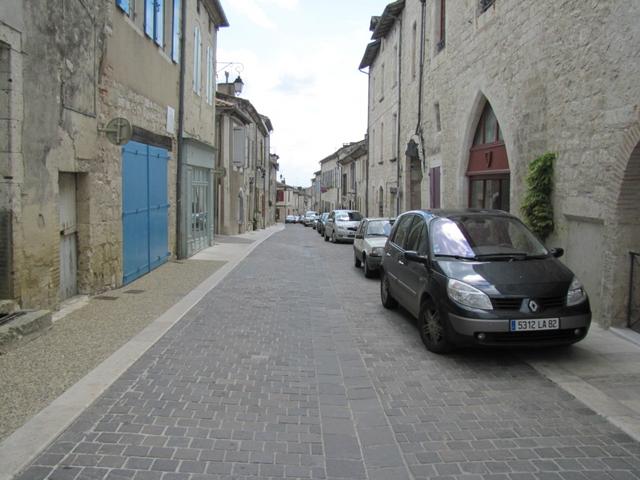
(488, 130)
(442, 25)
(154, 20)
(400, 234)
(394, 136)
(485, 4)
(197, 60)
(395, 66)
(124, 6)
(436, 108)
(238, 146)
(414, 50)
(381, 157)
(209, 85)
(344, 184)
(175, 40)
(415, 234)
(381, 95)
(381, 202)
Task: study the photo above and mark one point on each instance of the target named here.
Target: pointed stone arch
(487, 176)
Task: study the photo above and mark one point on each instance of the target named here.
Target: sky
(300, 63)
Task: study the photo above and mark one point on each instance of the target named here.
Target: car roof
(371, 219)
(457, 212)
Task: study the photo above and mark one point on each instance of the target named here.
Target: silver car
(342, 225)
(368, 246)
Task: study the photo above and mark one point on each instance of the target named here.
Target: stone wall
(560, 78)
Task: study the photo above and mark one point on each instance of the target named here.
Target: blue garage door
(144, 209)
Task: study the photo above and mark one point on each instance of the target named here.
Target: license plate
(534, 324)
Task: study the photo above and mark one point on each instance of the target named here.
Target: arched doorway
(621, 290)
(488, 168)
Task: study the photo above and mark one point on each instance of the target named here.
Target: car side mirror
(414, 256)
(359, 236)
(557, 252)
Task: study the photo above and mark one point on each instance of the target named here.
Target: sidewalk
(602, 371)
(48, 382)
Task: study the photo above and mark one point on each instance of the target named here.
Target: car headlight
(576, 293)
(467, 295)
(377, 251)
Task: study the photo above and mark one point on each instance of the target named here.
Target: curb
(24, 445)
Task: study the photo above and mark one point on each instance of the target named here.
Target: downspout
(420, 78)
(183, 27)
(366, 174)
(399, 119)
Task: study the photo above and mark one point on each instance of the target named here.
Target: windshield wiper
(376, 235)
(504, 256)
(457, 257)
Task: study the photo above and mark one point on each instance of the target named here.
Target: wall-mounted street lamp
(238, 84)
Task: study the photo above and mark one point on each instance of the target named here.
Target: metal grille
(200, 197)
(5, 254)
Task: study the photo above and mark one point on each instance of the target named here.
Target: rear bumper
(466, 330)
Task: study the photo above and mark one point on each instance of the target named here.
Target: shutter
(149, 9)
(238, 146)
(196, 44)
(159, 25)
(5, 254)
(175, 47)
(124, 5)
(434, 177)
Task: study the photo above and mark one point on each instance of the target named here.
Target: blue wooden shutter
(124, 5)
(175, 48)
(159, 25)
(149, 13)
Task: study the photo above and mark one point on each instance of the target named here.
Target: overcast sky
(300, 61)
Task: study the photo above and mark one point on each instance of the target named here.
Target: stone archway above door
(488, 167)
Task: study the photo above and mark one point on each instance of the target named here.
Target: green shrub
(537, 208)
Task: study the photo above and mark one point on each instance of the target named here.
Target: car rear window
(348, 216)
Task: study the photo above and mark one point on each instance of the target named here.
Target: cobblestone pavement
(292, 368)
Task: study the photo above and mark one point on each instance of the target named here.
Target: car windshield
(484, 238)
(378, 228)
(348, 216)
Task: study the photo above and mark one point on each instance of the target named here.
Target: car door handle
(388, 254)
(401, 262)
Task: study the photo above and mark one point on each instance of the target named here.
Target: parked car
(481, 277)
(342, 225)
(321, 223)
(368, 245)
(309, 217)
(290, 219)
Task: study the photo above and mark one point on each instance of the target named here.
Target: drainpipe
(183, 28)
(420, 78)
(398, 121)
(366, 172)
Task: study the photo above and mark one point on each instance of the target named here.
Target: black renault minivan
(480, 277)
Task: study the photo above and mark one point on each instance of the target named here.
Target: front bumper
(374, 262)
(465, 330)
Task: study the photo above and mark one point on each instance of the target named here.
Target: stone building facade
(488, 86)
(244, 144)
(93, 94)
(351, 159)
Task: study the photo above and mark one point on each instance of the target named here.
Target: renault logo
(533, 306)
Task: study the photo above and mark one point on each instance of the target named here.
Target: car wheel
(432, 329)
(326, 238)
(367, 271)
(385, 293)
(356, 262)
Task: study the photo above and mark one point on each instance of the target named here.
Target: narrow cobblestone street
(292, 368)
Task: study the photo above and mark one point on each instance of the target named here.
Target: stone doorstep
(24, 328)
